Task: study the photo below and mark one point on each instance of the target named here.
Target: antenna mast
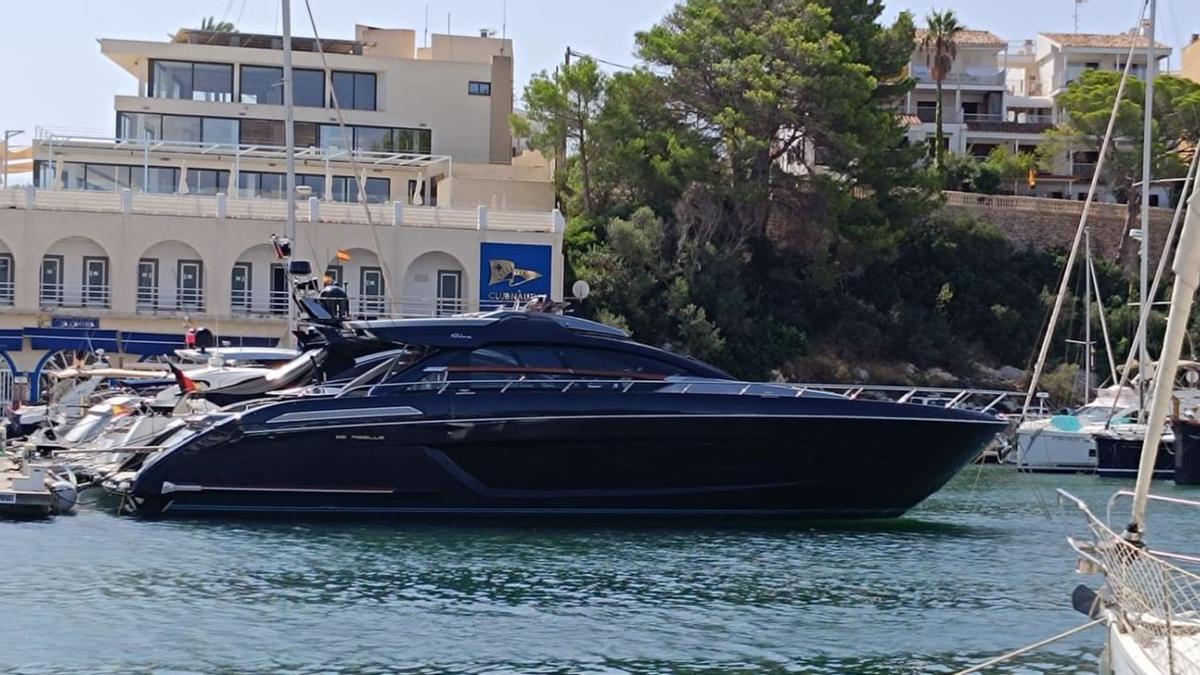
(1077, 4)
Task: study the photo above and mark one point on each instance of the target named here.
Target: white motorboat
(1066, 443)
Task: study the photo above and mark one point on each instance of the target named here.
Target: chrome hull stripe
(251, 488)
(538, 418)
(349, 413)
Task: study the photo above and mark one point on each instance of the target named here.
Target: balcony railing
(257, 208)
(1083, 169)
(85, 295)
(983, 79)
(7, 293)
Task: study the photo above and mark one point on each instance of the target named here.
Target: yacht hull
(643, 459)
(1048, 450)
(1119, 457)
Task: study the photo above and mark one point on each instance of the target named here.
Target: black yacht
(537, 414)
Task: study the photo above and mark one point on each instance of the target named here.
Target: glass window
(364, 91)
(6, 279)
(156, 179)
(219, 130)
(378, 190)
(261, 84)
(272, 185)
(207, 181)
(101, 177)
(343, 90)
(171, 79)
(248, 184)
(308, 88)
(479, 88)
(333, 136)
(139, 126)
(73, 175)
(212, 82)
(180, 128)
(317, 183)
(354, 91)
(603, 361)
(262, 132)
(414, 140)
(373, 139)
(306, 134)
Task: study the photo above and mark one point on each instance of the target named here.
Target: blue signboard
(513, 273)
(74, 322)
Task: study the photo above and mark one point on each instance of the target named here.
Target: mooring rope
(1028, 648)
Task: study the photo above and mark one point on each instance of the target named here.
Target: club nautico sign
(513, 272)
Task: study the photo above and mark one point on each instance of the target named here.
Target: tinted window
(306, 134)
(606, 361)
(172, 79)
(262, 85)
(207, 181)
(354, 91)
(180, 128)
(309, 88)
(333, 136)
(218, 130)
(373, 139)
(262, 132)
(212, 82)
(378, 190)
(101, 177)
(479, 88)
(139, 126)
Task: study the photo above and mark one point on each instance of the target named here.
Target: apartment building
(1000, 93)
(124, 241)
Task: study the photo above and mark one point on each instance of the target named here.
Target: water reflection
(977, 570)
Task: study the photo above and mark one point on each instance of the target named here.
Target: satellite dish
(580, 289)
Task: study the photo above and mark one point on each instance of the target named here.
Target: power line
(575, 52)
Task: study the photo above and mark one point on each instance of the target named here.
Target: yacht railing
(1148, 596)
(988, 401)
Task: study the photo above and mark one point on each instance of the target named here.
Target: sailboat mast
(1144, 273)
(1087, 315)
(289, 140)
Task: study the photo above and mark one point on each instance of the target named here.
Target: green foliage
(751, 198)
(210, 23)
(1087, 104)
(561, 107)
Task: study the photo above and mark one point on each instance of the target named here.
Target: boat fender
(65, 495)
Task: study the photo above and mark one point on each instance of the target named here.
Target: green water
(977, 570)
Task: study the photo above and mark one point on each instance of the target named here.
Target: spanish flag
(343, 255)
(186, 384)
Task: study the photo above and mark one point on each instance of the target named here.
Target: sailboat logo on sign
(507, 270)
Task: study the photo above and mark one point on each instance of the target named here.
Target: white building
(999, 93)
(123, 241)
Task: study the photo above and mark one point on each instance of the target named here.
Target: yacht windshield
(1098, 414)
(87, 428)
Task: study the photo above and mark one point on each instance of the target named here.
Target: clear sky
(67, 83)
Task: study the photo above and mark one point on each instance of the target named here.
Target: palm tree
(940, 49)
(210, 23)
